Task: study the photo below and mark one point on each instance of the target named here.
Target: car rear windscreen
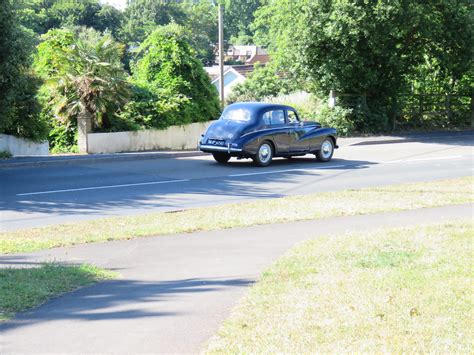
(236, 114)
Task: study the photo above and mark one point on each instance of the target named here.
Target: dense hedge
(170, 84)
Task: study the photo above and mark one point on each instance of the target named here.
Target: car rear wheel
(264, 154)
(326, 151)
(221, 157)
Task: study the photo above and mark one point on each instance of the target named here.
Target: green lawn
(321, 205)
(399, 290)
(25, 288)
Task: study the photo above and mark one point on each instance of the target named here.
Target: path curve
(175, 291)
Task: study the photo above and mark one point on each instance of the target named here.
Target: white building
(233, 75)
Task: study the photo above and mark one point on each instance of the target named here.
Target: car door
(298, 142)
(275, 123)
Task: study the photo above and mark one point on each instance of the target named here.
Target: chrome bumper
(213, 148)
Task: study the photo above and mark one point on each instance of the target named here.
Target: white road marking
(102, 187)
(286, 170)
(237, 175)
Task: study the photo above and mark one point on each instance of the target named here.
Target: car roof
(256, 107)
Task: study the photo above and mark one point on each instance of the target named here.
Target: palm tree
(91, 82)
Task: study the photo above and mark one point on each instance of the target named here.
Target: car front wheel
(326, 151)
(221, 157)
(264, 154)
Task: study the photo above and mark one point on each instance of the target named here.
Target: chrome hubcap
(265, 153)
(326, 149)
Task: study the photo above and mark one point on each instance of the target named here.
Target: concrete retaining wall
(20, 146)
(173, 138)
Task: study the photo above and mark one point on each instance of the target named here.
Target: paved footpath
(175, 291)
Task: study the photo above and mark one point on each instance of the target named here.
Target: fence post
(332, 99)
(84, 126)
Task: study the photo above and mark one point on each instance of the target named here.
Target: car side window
(273, 118)
(292, 117)
(267, 118)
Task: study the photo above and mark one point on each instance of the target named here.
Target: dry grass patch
(396, 291)
(321, 205)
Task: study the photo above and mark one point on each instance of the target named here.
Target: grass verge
(25, 288)
(321, 205)
(393, 291)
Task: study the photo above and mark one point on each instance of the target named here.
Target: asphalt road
(44, 195)
(175, 291)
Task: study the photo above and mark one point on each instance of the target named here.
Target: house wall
(230, 80)
(173, 138)
(20, 146)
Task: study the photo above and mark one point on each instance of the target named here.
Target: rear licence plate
(218, 142)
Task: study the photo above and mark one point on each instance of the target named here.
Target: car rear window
(236, 114)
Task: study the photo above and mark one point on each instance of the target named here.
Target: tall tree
(366, 49)
(201, 21)
(199, 16)
(238, 18)
(43, 15)
(449, 53)
(18, 106)
(143, 16)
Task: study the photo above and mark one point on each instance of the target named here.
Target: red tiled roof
(262, 58)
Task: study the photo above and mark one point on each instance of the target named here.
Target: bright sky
(119, 4)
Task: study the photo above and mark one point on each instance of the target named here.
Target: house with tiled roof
(246, 54)
(236, 74)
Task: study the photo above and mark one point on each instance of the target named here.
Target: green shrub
(148, 109)
(307, 105)
(118, 123)
(20, 114)
(62, 134)
(262, 83)
(369, 119)
(312, 108)
(63, 137)
(5, 154)
(338, 118)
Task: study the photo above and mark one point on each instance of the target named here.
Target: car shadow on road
(122, 299)
(299, 162)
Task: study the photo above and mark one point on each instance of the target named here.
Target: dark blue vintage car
(261, 131)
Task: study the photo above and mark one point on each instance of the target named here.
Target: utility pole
(221, 51)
